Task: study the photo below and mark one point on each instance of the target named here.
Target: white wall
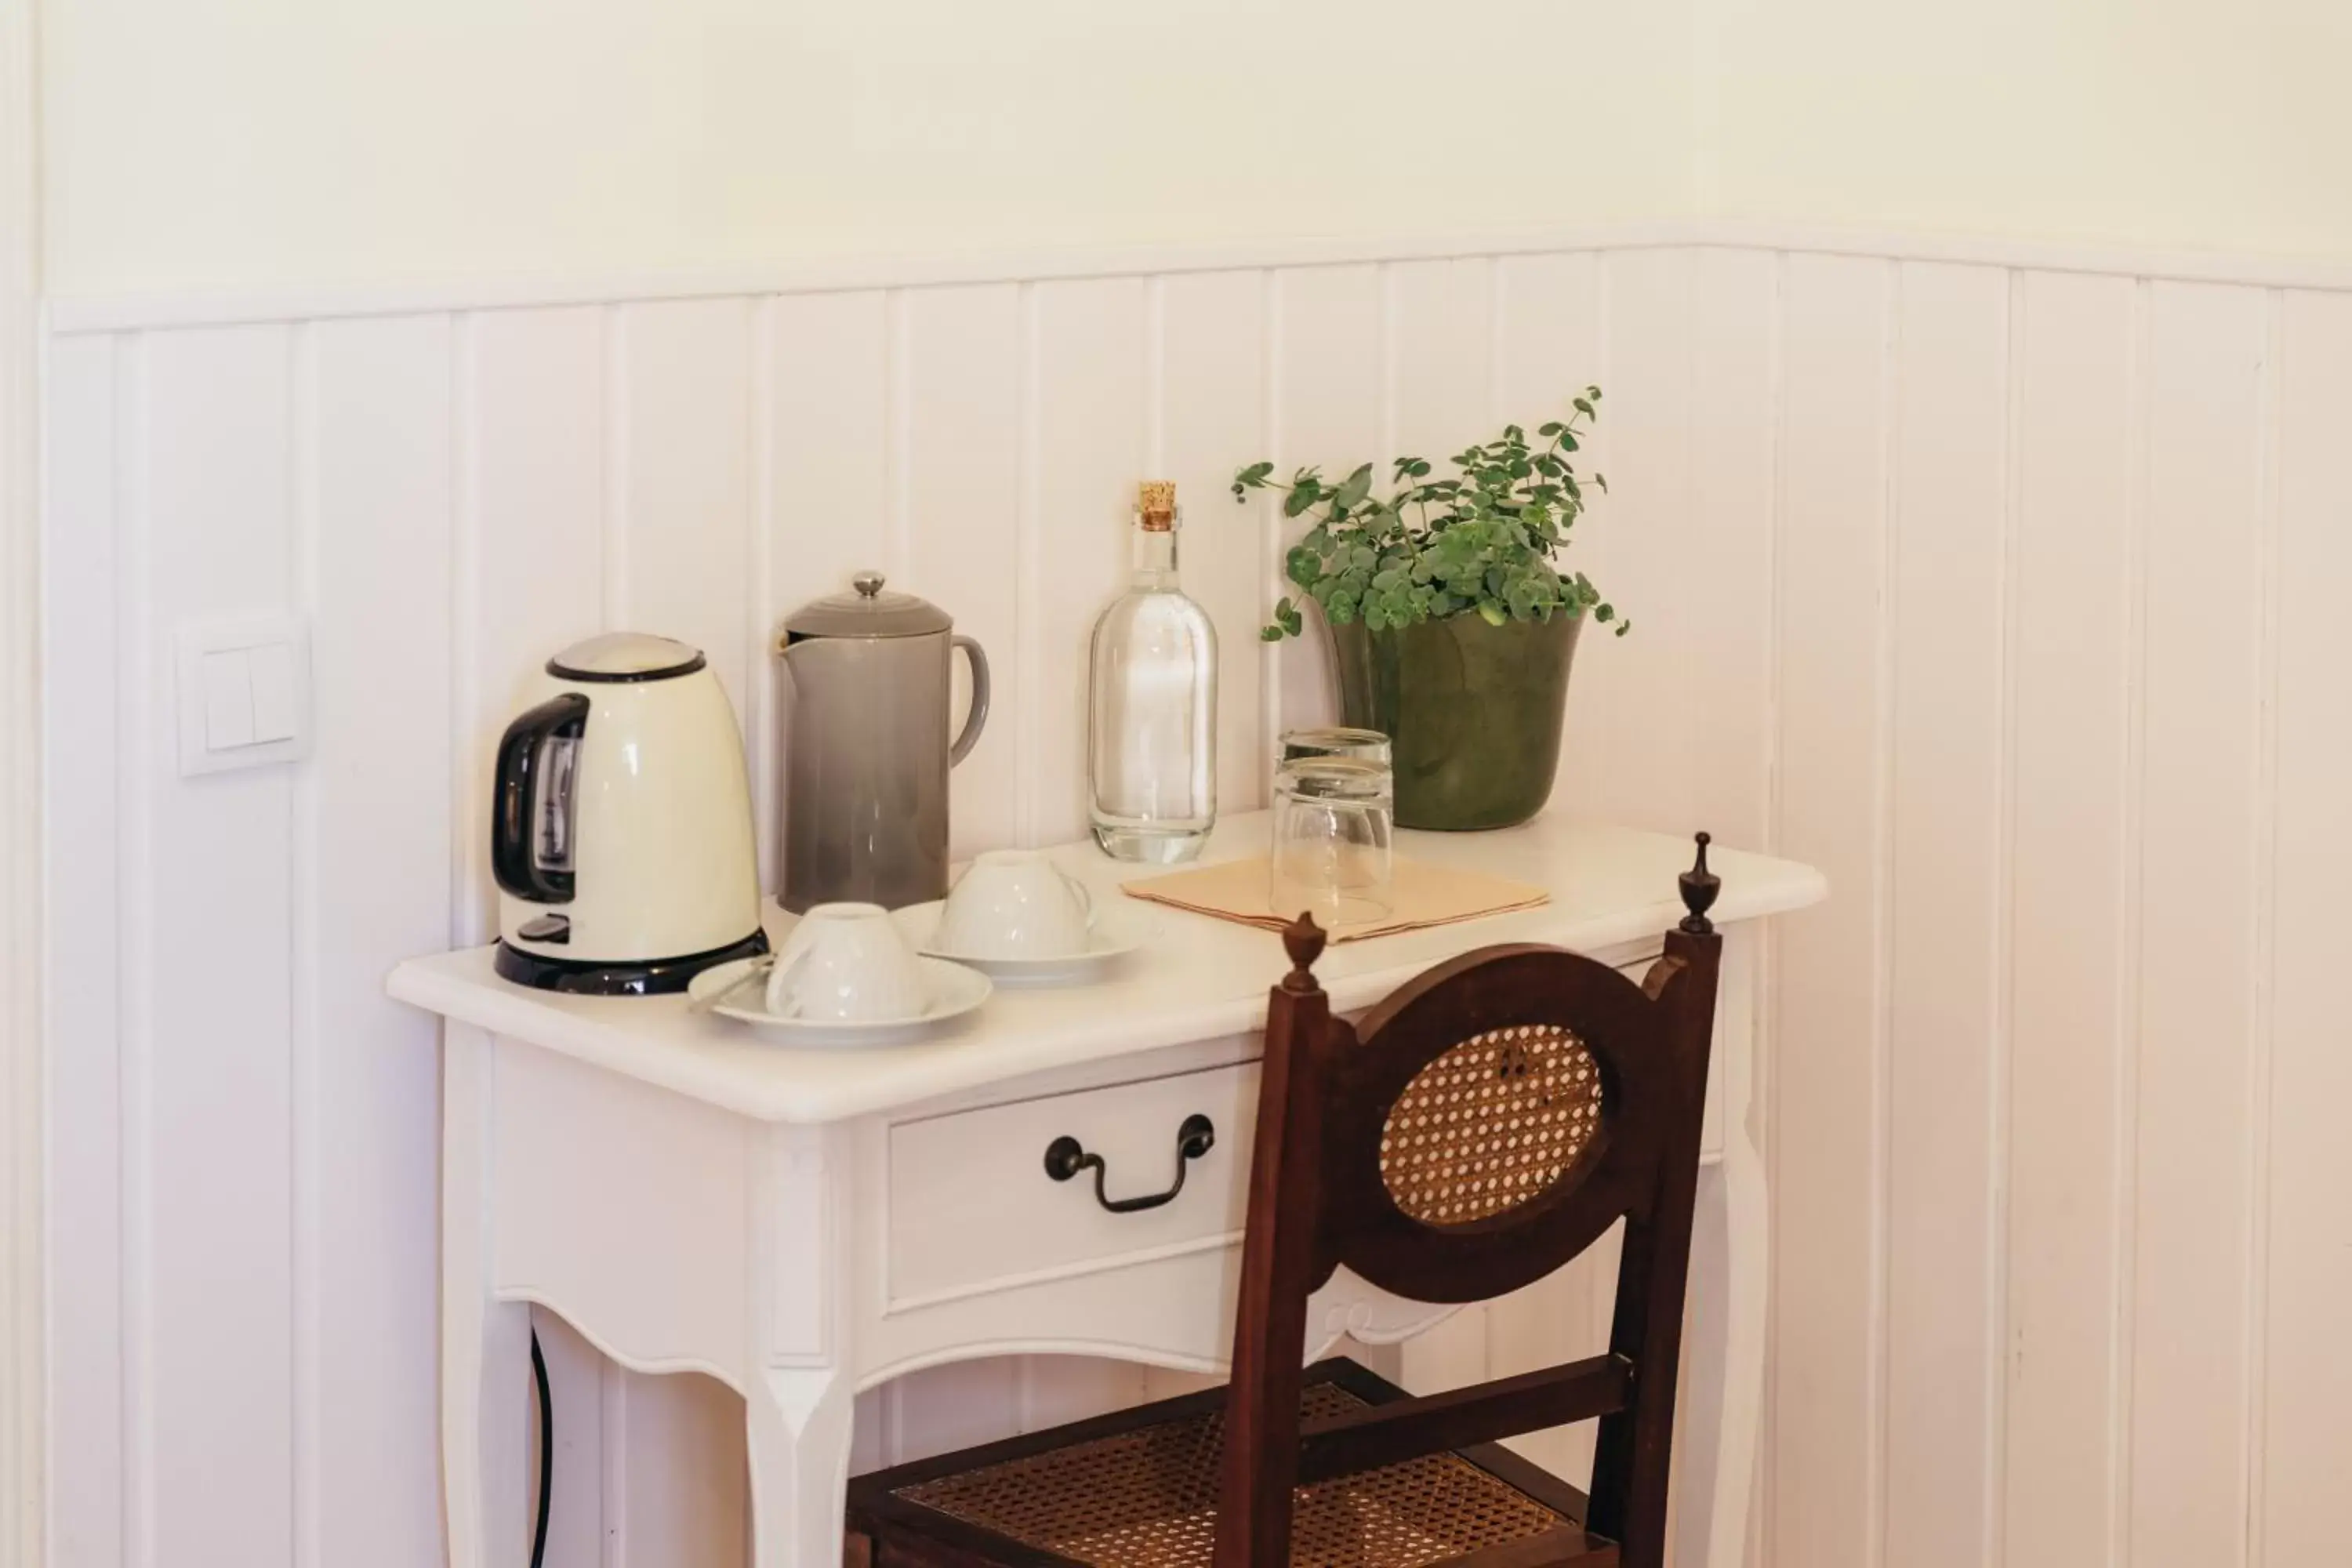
(204, 143)
(210, 144)
(2175, 122)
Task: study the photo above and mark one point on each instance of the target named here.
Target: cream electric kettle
(621, 824)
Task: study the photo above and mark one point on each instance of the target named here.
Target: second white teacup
(1015, 903)
(846, 963)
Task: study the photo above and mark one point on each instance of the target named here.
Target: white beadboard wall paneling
(578, 1503)
(2305, 1392)
(371, 858)
(1090, 362)
(686, 443)
(2005, 592)
(1950, 543)
(2073, 618)
(1442, 353)
(217, 883)
(1547, 337)
(136, 708)
(1636, 691)
(2199, 876)
(959, 484)
(828, 491)
(1724, 631)
(82, 782)
(1209, 418)
(1826, 1426)
(688, 1498)
(1330, 412)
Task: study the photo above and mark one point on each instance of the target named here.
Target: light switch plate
(243, 693)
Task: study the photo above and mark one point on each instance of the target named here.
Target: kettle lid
(624, 656)
(865, 610)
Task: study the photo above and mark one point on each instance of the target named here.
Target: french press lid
(865, 610)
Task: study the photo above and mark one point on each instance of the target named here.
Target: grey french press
(865, 745)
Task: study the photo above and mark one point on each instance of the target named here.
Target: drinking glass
(1337, 741)
(1333, 824)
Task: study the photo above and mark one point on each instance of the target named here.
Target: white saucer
(1118, 930)
(953, 991)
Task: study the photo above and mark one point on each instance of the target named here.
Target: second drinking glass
(1333, 827)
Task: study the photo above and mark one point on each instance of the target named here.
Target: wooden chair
(1480, 1128)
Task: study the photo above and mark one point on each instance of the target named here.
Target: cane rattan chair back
(1486, 1124)
(1480, 1128)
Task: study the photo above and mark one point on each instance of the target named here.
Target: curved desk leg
(485, 1344)
(799, 1441)
(798, 1400)
(1746, 1225)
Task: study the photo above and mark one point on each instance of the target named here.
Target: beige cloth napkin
(1425, 896)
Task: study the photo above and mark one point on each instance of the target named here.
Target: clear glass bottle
(1151, 705)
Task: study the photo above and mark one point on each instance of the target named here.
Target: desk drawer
(973, 1208)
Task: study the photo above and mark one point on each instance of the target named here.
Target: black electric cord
(546, 1452)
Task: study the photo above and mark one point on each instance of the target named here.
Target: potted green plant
(1452, 625)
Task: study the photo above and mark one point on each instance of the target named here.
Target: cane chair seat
(1144, 1495)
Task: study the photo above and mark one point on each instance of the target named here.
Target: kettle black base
(618, 977)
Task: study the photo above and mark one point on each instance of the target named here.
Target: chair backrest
(1487, 1123)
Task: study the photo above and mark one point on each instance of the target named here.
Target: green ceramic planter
(1474, 711)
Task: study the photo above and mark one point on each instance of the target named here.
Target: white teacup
(1015, 903)
(846, 963)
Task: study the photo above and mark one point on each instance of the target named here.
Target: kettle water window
(531, 821)
(557, 808)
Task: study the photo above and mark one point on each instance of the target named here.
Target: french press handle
(978, 716)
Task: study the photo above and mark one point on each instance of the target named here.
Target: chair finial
(1303, 940)
(1699, 886)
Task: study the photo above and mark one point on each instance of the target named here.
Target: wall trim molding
(71, 313)
(23, 1408)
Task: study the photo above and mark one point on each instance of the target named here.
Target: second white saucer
(1118, 930)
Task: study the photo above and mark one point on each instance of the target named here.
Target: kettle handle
(511, 788)
(979, 715)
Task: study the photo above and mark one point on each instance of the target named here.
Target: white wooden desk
(801, 1225)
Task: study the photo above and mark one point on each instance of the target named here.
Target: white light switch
(229, 701)
(271, 666)
(245, 694)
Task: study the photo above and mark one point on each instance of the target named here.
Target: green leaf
(1270, 634)
(1491, 613)
(1300, 497)
(1357, 486)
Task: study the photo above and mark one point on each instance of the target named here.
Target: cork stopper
(1156, 504)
